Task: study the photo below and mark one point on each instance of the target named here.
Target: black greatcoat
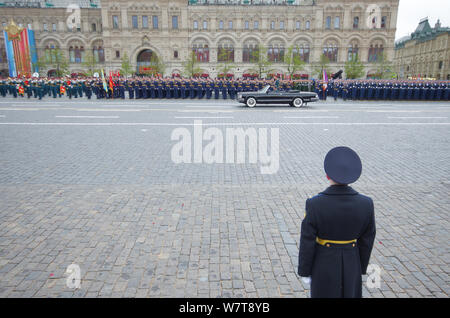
(338, 214)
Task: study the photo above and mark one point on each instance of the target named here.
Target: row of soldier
(386, 90)
(157, 88)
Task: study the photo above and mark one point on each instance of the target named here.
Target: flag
(21, 90)
(111, 83)
(105, 87)
(62, 90)
(325, 79)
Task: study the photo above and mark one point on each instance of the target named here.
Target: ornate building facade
(215, 30)
(425, 53)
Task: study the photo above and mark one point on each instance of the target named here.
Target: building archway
(146, 62)
(4, 73)
(52, 73)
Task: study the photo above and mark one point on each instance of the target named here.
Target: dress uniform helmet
(343, 165)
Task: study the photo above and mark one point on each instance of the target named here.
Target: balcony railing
(49, 3)
(253, 2)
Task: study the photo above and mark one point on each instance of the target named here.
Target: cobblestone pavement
(93, 184)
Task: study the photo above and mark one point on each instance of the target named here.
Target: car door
(273, 97)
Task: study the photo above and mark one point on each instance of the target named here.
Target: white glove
(306, 280)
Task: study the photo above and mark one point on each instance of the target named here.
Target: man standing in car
(338, 231)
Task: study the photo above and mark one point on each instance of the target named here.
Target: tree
(260, 58)
(126, 68)
(354, 68)
(293, 61)
(227, 64)
(90, 63)
(191, 65)
(55, 59)
(324, 62)
(158, 65)
(384, 68)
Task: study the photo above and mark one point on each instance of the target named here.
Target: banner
(105, 87)
(10, 55)
(21, 51)
(111, 83)
(325, 79)
(33, 51)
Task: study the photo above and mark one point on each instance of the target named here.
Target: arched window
(352, 53)
(383, 22)
(76, 54)
(98, 51)
(50, 53)
(201, 51)
(94, 27)
(330, 50)
(302, 50)
(328, 23)
(376, 52)
(225, 52)
(355, 22)
(275, 52)
(71, 54)
(308, 25)
(79, 52)
(250, 52)
(337, 22)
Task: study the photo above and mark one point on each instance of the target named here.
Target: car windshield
(264, 89)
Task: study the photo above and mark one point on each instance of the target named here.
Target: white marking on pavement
(417, 117)
(107, 110)
(207, 106)
(311, 117)
(295, 110)
(229, 117)
(20, 109)
(106, 117)
(394, 111)
(202, 111)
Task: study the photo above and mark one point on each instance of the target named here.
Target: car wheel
(251, 102)
(298, 102)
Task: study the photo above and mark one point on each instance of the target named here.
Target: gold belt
(328, 242)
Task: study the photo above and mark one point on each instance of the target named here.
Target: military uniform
(338, 214)
(337, 232)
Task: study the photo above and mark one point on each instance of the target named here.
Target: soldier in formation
(206, 88)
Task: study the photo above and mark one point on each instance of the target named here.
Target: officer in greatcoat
(338, 231)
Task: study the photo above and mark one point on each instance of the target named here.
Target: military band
(184, 88)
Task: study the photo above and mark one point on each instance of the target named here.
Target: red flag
(62, 90)
(111, 83)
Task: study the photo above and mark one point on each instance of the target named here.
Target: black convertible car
(265, 96)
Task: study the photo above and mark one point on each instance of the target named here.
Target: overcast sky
(411, 11)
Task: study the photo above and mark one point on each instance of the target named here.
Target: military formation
(184, 88)
(387, 90)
